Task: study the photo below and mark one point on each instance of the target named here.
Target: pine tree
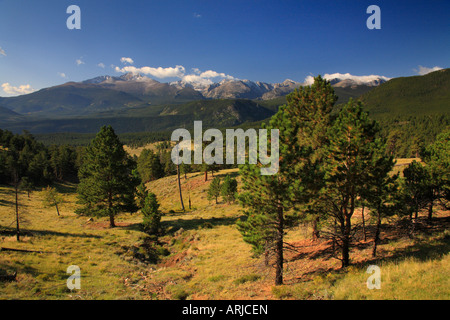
(229, 188)
(149, 166)
(51, 198)
(380, 192)
(152, 215)
(214, 189)
(270, 200)
(141, 194)
(107, 185)
(415, 191)
(437, 159)
(350, 159)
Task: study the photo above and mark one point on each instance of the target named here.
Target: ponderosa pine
(107, 184)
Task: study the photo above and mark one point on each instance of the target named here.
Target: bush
(152, 215)
(229, 189)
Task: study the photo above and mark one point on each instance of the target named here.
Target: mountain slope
(213, 113)
(70, 99)
(417, 95)
(9, 115)
(107, 93)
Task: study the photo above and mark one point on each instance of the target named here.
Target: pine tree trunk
(363, 223)
(189, 201)
(279, 248)
(16, 189)
(430, 211)
(376, 239)
(111, 221)
(179, 188)
(346, 241)
(315, 232)
(334, 237)
(111, 215)
(57, 210)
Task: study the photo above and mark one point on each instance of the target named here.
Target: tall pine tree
(107, 185)
(351, 157)
(270, 199)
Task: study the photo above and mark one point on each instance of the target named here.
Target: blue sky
(260, 40)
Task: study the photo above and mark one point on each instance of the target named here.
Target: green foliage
(149, 166)
(215, 189)
(141, 194)
(415, 191)
(437, 159)
(228, 188)
(107, 185)
(152, 215)
(355, 162)
(418, 95)
(269, 199)
(26, 185)
(22, 156)
(51, 198)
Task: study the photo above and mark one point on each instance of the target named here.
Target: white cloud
(101, 65)
(197, 15)
(62, 75)
(23, 89)
(424, 70)
(79, 62)
(196, 77)
(126, 60)
(309, 80)
(176, 72)
(205, 78)
(2, 52)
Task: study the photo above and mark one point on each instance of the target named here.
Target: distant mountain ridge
(128, 102)
(110, 93)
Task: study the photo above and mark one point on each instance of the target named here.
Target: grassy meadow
(202, 254)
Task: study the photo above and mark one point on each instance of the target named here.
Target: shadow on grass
(9, 231)
(429, 242)
(192, 224)
(66, 187)
(221, 175)
(7, 203)
(7, 270)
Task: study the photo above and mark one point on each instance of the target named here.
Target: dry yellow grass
(208, 258)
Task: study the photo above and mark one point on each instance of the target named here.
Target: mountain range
(135, 103)
(108, 93)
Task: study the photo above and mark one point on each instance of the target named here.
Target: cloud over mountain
(424, 70)
(160, 72)
(22, 89)
(309, 80)
(195, 78)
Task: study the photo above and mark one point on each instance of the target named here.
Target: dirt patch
(174, 260)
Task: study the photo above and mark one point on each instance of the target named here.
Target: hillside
(213, 113)
(9, 115)
(203, 256)
(417, 95)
